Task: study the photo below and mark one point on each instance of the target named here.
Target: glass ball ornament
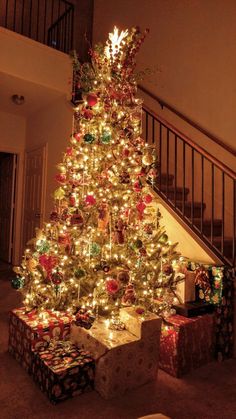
(106, 137)
(147, 159)
(89, 138)
(95, 249)
(79, 273)
(56, 278)
(42, 246)
(17, 282)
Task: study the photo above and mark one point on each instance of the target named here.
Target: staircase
(198, 187)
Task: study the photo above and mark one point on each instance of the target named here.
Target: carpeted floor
(206, 393)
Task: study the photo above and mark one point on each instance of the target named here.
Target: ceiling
(36, 96)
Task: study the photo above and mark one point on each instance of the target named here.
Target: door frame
(17, 224)
(44, 147)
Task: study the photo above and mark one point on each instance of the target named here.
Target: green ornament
(79, 273)
(17, 282)
(89, 138)
(42, 246)
(163, 239)
(95, 249)
(138, 244)
(106, 137)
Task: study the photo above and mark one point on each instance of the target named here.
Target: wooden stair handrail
(185, 118)
(198, 148)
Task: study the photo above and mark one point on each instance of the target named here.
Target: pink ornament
(148, 199)
(112, 286)
(90, 200)
(91, 99)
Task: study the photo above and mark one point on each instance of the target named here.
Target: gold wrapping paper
(124, 360)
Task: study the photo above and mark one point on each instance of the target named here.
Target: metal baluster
(22, 16)
(160, 154)
(223, 213)
(192, 202)
(183, 201)
(202, 197)
(14, 17)
(6, 15)
(176, 160)
(52, 12)
(30, 17)
(234, 222)
(37, 32)
(153, 130)
(212, 199)
(167, 160)
(146, 127)
(45, 19)
(72, 29)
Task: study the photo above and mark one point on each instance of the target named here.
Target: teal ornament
(106, 137)
(42, 246)
(89, 138)
(95, 249)
(17, 282)
(79, 273)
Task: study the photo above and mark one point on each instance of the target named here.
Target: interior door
(35, 164)
(7, 204)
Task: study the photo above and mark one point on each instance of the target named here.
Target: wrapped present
(186, 343)
(63, 371)
(29, 330)
(185, 290)
(125, 359)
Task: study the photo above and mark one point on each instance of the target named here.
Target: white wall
(191, 51)
(51, 125)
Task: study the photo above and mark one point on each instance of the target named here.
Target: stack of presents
(68, 355)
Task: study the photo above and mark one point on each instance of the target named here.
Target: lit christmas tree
(104, 247)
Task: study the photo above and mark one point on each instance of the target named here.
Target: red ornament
(90, 200)
(56, 278)
(76, 219)
(72, 201)
(126, 152)
(61, 178)
(77, 136)
(91, 99)
(137, 186)
(69, 151)
(48, 262)
(148, 199)
(112, 286)
(141, 207)
(88, 114)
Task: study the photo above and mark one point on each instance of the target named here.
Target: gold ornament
(147, 159)
(59, 193)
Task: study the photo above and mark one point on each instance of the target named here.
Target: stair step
(171, 192)
(188, 208)
(217, 226)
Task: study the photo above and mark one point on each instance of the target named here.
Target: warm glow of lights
(116, 40)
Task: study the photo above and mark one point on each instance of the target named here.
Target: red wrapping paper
(187, 344)
(27, 332)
